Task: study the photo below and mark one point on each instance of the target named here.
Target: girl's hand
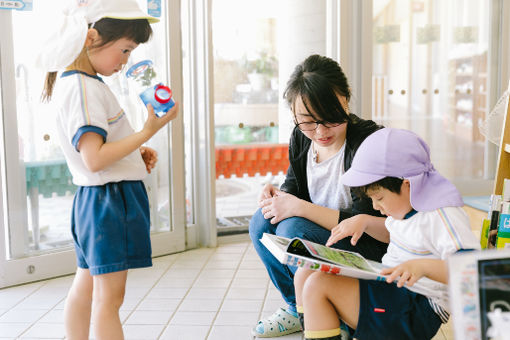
(154, 123)
(149, 156)
(353, 226)
(409, 272)
(280, 207)
(268, 191)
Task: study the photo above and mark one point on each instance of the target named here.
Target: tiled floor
(199, 294)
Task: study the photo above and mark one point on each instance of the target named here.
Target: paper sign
(154, 8)
(20, 5)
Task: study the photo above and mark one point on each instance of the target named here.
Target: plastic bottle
(151, 91)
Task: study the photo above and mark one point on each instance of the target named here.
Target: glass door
(430, 75)
(254, 53)
(37, 189)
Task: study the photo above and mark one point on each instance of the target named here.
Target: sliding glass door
(36, 185)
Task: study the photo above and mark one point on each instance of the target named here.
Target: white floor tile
(142, 332)
(230, 333)
(212, 283)
(145, 317)
(162, 293)
(193, 318)
(174, 332)
(45, 330)
(168, 305)
(174, 282)
(22, 315)
(242, 305)
(53, 316)
(200, 294)
(199, 305)
(236, 318)
(240, 282)
(12, 330)
(246, 293)
(206, 293)
(217, 273)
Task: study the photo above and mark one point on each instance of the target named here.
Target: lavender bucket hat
(403, 154)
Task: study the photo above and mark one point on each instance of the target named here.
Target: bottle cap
(138, 68)
(162, 93)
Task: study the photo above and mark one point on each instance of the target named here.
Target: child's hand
(154, 123)
(407, 273)
(149, 156)
(353, 226)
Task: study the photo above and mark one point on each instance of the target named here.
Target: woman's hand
(407, 273)
(149, 156)
(353, 226)
(279, 207)
(268, 191)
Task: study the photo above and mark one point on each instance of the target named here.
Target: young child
(110, 218)
(425, 223)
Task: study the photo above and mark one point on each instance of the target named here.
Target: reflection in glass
(440, 59)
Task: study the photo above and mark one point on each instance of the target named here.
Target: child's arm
(412, 270)
(356, 225)
(98, 155)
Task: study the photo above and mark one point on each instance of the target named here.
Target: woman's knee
(258, 225)
(292, 227)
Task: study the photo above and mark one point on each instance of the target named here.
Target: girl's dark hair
(393, 184)
(318, 80)
(110, 30)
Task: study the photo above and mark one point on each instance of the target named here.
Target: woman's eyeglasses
(311, 126)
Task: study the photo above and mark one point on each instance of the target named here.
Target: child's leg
(108, 296)
(299, 281)
(78, 305)
(325, 298)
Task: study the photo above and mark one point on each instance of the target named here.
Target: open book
(302, 253)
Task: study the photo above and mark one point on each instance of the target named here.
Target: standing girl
(110, 218)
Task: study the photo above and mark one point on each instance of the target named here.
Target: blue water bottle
(154, 93)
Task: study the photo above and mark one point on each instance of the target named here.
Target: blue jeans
(282, 275)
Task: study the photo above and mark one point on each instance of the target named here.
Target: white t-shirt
(429, 235)
(85, 103)
(432, 234)
(324, 181)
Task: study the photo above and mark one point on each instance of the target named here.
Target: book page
(341, 257)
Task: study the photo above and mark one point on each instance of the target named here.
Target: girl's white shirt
(85, 103)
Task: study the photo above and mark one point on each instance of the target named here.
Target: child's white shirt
(432, 234)
(86, 104)
(429, 235)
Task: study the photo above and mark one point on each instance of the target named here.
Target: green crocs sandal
(279, 324)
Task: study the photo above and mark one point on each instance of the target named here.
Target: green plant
(265, 64)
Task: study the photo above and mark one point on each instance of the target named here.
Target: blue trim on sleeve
(465, 250)
(69, 73)
(85, 129)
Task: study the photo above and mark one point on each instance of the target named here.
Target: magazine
(306, 254)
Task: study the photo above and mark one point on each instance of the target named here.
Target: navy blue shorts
(111, 227)
(388, 313)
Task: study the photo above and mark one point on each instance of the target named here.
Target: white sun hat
(69, 29)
